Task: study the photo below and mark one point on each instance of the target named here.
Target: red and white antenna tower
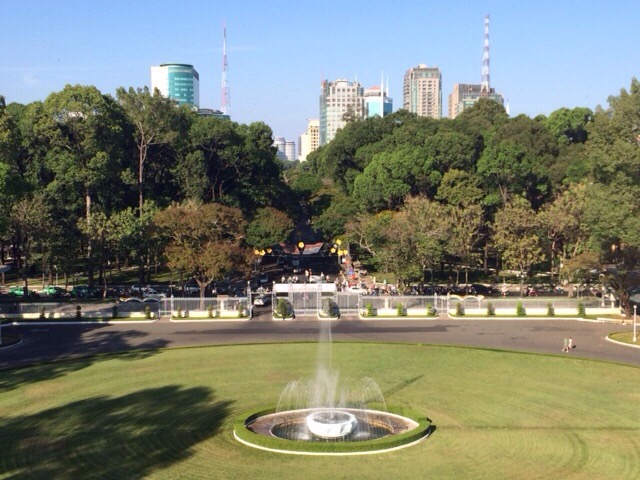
(225, 71)
(484, 84)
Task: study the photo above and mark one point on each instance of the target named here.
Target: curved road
(52, 342)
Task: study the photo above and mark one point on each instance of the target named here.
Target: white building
(340, 101)
(309, 140)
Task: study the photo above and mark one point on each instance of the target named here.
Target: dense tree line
(89, 180)
(558, 193)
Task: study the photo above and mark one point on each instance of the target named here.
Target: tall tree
(516, 236)
(155, 120)
(85, 130)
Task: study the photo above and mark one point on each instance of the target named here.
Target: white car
(154, 296)
(262, 300)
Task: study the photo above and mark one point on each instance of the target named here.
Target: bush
(400, 310)
(178, 311)
(147, 312)
(520, 311)
(491, 311)
(369, 310)
(240, 309)
(431, 312)
(581, 310)
(551, 312)
(42, 312)
(459, 310)
(78, 311)
(210, 311)
(114, 311)
(330, 308)
(281, 308)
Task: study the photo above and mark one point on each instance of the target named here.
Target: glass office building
(177, 81)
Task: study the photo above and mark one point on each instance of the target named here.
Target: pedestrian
(570, 344)
(565, 347)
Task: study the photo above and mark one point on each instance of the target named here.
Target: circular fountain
(330, 415)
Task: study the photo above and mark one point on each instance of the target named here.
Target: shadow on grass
(73, 353)
(104, 437)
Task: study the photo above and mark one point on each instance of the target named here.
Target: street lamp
(301, 247)
(635, 337)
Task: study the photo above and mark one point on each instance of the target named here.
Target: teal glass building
(178, 81)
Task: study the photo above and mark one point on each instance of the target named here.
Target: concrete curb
(624, 344)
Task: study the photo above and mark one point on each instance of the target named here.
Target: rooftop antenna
(484, 85)
(225, 71)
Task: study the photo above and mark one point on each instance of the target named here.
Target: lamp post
(635, 337)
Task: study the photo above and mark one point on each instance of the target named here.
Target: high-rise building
(177, 81)
(340, 102)
(286, 150)
(378, 102)
(465, 95)
(290, 151)
(422, 91)
(309, 140)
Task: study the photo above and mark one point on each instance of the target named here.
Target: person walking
(565, 347)
(570, 344)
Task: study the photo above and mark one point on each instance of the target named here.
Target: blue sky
(544, 54)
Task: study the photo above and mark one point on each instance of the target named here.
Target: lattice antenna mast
(485, 83)
(225, 70)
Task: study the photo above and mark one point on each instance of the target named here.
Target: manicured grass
(626, 337)
(169, 414)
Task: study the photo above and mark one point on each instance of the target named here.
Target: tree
(516, 160)
(464, 234)
(268, 227)
(205, 241)
(516, 236)
(85, 129)
(155, 122)
(562, 220)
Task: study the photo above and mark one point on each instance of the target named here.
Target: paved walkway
(54, 342)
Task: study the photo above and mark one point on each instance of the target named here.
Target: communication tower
(225, 71)
(484, 84)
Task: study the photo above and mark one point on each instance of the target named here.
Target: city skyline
(543, 56)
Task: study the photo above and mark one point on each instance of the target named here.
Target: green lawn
(168, 414)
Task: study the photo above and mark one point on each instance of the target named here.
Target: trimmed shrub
(240, 310)
(369, 310)
(431, 312)
(551, 312)
(581, 311)
(491, 311)
(520, 310)
(400, 310)
(210, 311)
(147, 312)
(178, 311)
(459, 310)
(78, 311)
(281, 308)
(43, 312)
(114, 311)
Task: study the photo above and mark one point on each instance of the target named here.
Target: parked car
(18, 291)
(53, 291)
(262, 300)
(83, 291)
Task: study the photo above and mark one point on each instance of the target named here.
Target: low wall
(72, 316)
(200, 314)
(539, 312)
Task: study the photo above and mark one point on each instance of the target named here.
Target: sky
(544, 54)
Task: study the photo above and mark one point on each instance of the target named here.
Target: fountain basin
(331, 423)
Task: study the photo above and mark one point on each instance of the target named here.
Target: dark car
(84, 291)
(55, 292)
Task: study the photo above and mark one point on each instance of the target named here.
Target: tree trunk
(142, 154)
(89, 241)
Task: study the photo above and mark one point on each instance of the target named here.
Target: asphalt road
(54, 342)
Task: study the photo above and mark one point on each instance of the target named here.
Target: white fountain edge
(337, 454)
